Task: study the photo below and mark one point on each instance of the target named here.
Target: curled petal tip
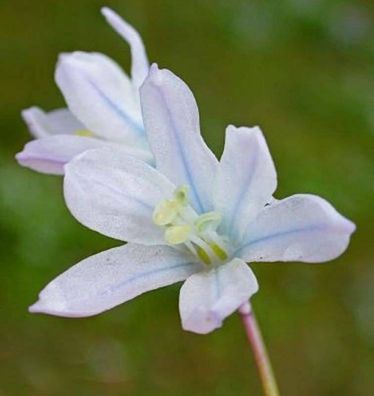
(206, 322)
(63, 56)
(155, 74)
(349, 226)
(66, 57)
(154, 67)
(25, 113)
(36, 307)
(105, 10)
(20, 157)
(108, 13)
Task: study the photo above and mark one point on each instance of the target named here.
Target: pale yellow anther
(182, 225)
(178, 234)
(165, 212)
(83, 132)
(208, 220)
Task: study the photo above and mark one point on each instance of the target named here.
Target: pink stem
(259, 350)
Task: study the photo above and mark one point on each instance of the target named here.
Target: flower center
(184, 226)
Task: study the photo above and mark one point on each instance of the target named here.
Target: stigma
(183, 226)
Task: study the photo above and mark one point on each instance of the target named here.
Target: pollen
(83, 132)
(178, 234)
(165, 212)
(183, 225)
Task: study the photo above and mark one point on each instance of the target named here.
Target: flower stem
(263, 364)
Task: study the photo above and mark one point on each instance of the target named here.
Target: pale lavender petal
(246, 179)
(110, 278)
(55, 122)
(115, 194)
(208, 297)
(100, 95)
(139, 64)
(50, 154)
(299, 228)
(171, 119)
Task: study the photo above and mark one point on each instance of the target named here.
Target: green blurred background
(303, 71)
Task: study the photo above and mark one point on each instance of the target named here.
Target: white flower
(191, 217)
(103, 107)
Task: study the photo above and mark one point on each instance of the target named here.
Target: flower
(190, 218)
(103, 107)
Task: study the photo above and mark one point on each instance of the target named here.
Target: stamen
(83, 132)
(165, 212)
(178, 234)
(219, 252)
(203, 255)
(209, 220)
(181, 195)
(184, 226)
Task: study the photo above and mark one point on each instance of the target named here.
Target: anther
(181, 195)
(83, 132)
(165, 212)
(177, 234)
(210, 220)
(218, 251)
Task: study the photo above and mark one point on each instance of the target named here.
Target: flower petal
(208, 297)
(100, 94)
(171, 119)
(50, 154)
(55, 122)
(110, 278)
(115, 194)
(140, 65)
(299, 228)
(246, 178)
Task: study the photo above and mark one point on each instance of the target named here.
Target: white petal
(100, 95)
(115, 194)
(50, 154)
(172, 124)
(110, 278)
(299, 228)
(140, 65)
(55, 122)
(246, 178)
(208, 297)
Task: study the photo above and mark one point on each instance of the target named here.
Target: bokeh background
(303, 71)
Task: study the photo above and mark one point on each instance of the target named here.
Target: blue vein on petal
(183, 157)
(265, 238)
(143, 275)
(245, 186)
(138, 128)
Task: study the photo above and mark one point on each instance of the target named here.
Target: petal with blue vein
(112, 277)
(115, 194)
(246, 179)
(302, 227)
(171, 119)
(209, 296)
(139, 60)
(55, 122)
(50, 154)
(101, 96)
